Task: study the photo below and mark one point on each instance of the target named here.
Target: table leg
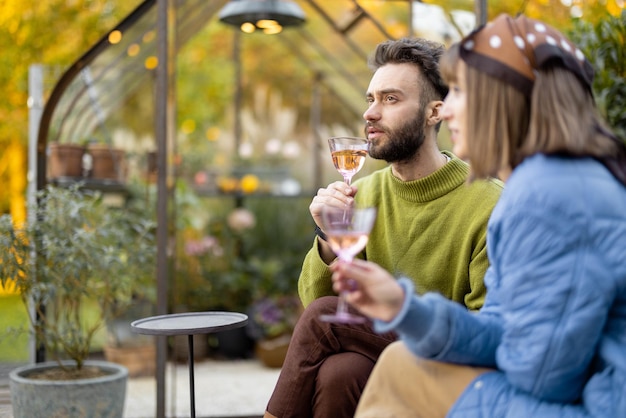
(192, 389)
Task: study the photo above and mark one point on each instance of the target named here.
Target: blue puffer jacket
(554, 321)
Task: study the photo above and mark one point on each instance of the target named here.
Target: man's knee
(319, 306)
(339, 384)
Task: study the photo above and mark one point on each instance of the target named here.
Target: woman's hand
(372, 290)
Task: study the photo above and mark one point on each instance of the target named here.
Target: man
(431, 226)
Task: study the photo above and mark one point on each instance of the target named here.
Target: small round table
(189, 324)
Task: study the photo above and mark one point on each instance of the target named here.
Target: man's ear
(433, 112)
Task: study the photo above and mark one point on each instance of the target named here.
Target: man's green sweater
(432, 230)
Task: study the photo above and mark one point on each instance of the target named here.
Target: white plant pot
(101, 397)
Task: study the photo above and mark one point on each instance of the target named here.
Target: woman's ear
(433, 112)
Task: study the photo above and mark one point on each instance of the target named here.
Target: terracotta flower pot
(65, 160)
(107, 163)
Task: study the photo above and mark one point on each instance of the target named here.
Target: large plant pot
(101, 397)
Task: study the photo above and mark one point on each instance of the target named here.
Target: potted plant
(272, 321)
(78, 252)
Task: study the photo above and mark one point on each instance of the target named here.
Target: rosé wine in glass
(347, 230)
(348, 154)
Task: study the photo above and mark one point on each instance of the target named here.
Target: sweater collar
(433, 186)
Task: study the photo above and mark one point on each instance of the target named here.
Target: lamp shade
(258, 12)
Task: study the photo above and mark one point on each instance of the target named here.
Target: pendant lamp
(270, 16)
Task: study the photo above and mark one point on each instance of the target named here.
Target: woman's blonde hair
(497, 118)
(565, 120)
(504, 126)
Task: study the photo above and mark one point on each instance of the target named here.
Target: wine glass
(348, 155)
(347, 231)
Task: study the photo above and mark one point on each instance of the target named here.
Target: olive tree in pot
(78, 251)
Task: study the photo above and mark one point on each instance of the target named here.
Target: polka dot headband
(512, 50)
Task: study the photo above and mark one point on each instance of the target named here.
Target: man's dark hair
(421, 52)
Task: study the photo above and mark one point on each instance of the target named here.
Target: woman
(550, 340)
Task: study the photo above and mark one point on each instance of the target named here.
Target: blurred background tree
(604, 43)
(51, 32)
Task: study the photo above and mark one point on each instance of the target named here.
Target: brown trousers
(326, 367)
(405, 386)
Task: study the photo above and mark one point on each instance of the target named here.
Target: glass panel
(95, 86)
(107, 96)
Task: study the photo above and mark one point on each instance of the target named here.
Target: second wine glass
(347, 230)
(348, 155)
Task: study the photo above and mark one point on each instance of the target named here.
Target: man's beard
(402, 143)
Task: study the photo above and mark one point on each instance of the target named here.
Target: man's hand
(337, 194)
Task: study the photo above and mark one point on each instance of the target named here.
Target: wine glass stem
(342, 305)
(347, 180)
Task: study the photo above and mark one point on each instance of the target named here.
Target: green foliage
(604, 44)
(14, 328)
(25, 39)
(280, 240)
(205, 78)
(559, 14)
(13, 319)
(243, 254)
(77, 250)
